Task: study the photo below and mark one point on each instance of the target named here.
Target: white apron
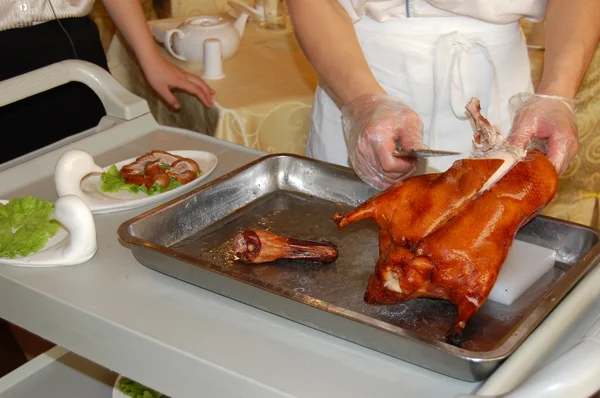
(435, 65)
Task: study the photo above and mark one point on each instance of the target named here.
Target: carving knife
(422, 152)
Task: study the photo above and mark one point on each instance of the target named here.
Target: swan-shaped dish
(76, 173)
(74, 243)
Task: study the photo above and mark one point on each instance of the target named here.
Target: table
(264, 101)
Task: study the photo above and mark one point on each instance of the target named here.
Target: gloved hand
(372, 126)
(546, 117)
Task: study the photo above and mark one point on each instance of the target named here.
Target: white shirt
(493, 11)
(22, 13)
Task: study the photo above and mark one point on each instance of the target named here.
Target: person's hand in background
(549, 118)
(164, 76)
(373, 126)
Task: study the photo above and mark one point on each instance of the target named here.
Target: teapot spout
(240, 23)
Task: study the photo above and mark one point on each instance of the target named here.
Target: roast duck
(441, 236)
(445, 236)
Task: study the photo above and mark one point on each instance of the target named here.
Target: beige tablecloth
(578, 196)
(264, 101)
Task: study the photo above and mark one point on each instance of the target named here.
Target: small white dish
(74, 243)
(117, 393)
(76, 173)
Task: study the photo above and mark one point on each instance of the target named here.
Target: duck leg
(260, 246)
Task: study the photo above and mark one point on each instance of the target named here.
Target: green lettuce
(112, 182)
(137, 390)
(25, 226)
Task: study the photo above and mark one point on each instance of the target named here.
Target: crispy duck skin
(153, 169)
(149, 169)
(184, 170)
(260, 246)
(427, 201)
(446, 236)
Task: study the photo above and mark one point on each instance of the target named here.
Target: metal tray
(190, 237)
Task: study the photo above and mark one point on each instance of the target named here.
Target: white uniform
(435, 55)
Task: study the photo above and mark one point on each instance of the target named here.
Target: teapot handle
(167, 42)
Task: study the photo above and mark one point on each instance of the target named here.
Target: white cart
(186, 341)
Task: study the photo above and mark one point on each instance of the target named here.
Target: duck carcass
(446, 235)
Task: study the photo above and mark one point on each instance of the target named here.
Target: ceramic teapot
(187, 42)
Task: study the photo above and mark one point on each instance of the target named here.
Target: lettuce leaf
(137, 390)
(112, 182)
(25, 226)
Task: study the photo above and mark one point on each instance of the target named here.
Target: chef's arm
(572, 34)
(327, 37)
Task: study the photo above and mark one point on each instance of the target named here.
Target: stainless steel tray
(190, 237)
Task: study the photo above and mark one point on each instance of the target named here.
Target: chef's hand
(165, 76)
(373, 124)
(546, 117)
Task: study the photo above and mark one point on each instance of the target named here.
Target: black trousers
(50, 116)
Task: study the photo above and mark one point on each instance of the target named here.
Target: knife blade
(423, 153)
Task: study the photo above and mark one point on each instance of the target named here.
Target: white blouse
(493, 11)
(22, 13)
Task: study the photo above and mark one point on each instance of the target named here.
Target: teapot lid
(204, 21)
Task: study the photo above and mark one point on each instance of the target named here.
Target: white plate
(64, 248)
(109, 202)
(57, 239)
(117, 393)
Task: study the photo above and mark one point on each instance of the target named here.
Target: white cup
(275, 14)
(213, 60)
